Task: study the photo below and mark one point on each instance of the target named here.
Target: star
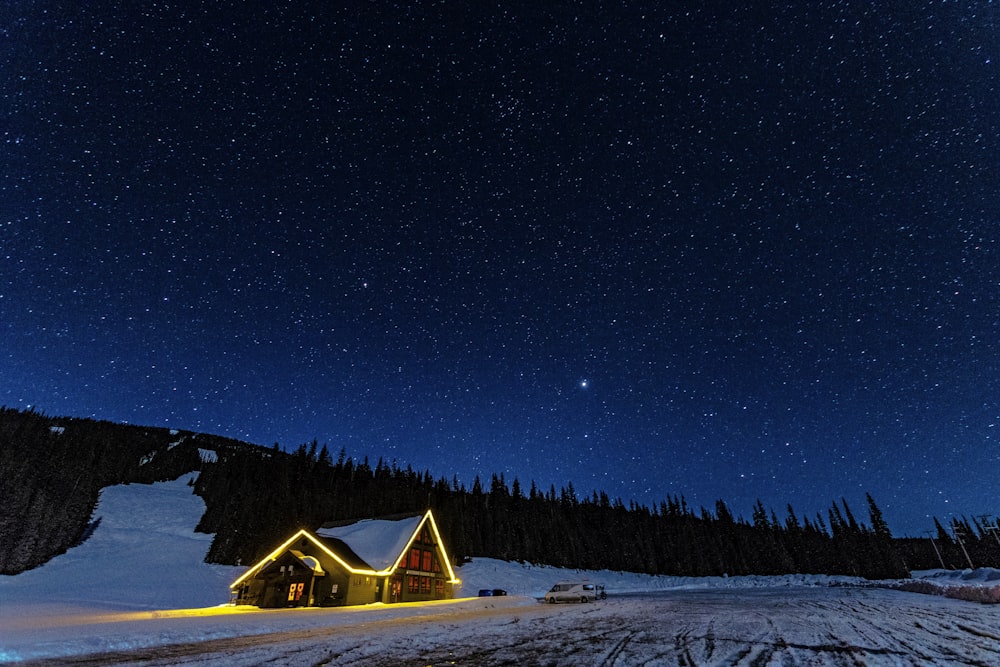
(722, 281)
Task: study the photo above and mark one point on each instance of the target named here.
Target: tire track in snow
(818, 627)
(682, 649)
(710, 640)
(611, 659)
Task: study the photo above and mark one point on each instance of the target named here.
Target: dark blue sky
(660, 248)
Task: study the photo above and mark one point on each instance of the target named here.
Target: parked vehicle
(572, 591)
(491, 592)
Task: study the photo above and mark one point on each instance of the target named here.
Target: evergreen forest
(255, 497)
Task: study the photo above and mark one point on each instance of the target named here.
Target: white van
(572, 591)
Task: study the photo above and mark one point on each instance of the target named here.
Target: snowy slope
(145, 557)
(533, 580)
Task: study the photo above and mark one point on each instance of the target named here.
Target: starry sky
(725, 250)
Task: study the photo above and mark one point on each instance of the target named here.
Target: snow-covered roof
(370, 547)
(308, 561)
(377, 541)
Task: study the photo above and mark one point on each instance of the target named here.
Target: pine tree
(879, 526)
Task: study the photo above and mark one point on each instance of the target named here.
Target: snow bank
(979, 585)
(533, 580)
(985, 576)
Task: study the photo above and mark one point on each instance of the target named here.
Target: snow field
(139, 586)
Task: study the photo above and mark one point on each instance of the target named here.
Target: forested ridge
(256, 496)
(52, 470)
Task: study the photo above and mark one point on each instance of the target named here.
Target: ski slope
(138, 591)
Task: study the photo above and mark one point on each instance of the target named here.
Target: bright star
(584, 384)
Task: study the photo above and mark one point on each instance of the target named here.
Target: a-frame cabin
(375, 560)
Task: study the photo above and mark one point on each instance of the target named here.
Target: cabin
(375, 560)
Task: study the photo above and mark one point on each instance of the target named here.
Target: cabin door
(298, 592)
(396, 588)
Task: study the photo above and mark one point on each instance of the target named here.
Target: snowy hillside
(144, 554)
(144, 558)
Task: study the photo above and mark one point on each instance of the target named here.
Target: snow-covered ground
(138, 592)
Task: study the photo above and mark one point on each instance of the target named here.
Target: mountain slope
(144, 554)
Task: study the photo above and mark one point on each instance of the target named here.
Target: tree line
(52, 471)
(255, 497)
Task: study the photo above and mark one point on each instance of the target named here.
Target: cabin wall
(330, 590)
(422, 576)
(277, 591)
(339, 588)
(421, 587)
(333, 589)
(362, 590)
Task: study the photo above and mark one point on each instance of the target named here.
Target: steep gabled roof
(370, 547)
(378, 542)
(346, 553)
(293, 555)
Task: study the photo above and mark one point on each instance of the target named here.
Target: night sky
(720, 250)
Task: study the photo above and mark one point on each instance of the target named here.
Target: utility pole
(985, 519)
(958, 536)
(930, 536)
